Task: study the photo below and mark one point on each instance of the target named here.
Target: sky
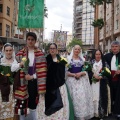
(59, 12)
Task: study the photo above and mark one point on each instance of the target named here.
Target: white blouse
(113, 63)
(31, 57)
(16, 66)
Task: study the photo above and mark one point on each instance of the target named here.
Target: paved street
(108, 118)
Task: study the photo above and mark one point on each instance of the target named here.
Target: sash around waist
(114, 76)
(31, 70)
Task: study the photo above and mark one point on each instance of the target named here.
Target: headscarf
(3, 53)
(71, 55)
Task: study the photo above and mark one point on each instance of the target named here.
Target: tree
(112, 21)
(96, 2)
(74, 42)
(102, 2)
(45, 46)
(98, 23)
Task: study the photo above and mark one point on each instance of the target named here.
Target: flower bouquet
(6, 71)
(61, 60)
(103, 72)
(25, 65)
(87, 67)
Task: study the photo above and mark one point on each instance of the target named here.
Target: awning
(13, 40)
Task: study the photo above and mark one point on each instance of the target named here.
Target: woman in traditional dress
(79, 86)
(56, 99)
(101, 90)
(7, 68)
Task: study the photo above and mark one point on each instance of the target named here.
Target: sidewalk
(108, 118)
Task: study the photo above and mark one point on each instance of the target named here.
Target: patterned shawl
(41, 69)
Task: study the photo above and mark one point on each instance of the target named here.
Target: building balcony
(78, 27)
(20, 36)
(79, 37)
(77, 17)
(78, 2)
(80, 21)
(78, 33)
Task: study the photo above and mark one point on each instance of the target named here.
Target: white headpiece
(71, 55)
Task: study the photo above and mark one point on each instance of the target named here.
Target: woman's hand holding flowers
(100, 77)
(97, 77)
(21, 64)
(78, 75)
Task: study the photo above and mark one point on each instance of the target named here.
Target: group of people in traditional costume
(55, 89)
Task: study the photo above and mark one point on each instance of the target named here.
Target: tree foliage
(96, 2)
(74, 42)
(45, 46)
(99, 2)
(98, 23)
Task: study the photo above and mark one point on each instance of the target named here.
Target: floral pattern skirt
(7, 108)
(62, 114)
(81, 94)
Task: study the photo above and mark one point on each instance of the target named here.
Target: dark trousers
(32, 91)
(115, 96)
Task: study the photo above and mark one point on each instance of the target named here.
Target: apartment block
(6, 17)
(83, 17)
(109, 24)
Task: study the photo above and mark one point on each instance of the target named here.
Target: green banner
(31, 14)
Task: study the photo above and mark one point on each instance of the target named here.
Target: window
(8, 11)
(0, 29)
(117, 9)
(107, 5)
(1, 8)
(117, 24)
(107, 28)
(7, 31)
(101, 13)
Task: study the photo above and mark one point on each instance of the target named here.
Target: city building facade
(82, 20)
(6, 17)
(9, 31)
(109, 30)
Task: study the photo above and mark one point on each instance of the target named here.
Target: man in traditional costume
(33, 83)
(113, 60)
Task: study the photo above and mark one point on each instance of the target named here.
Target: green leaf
(96, 2)
(98, 23)
(11, 80)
